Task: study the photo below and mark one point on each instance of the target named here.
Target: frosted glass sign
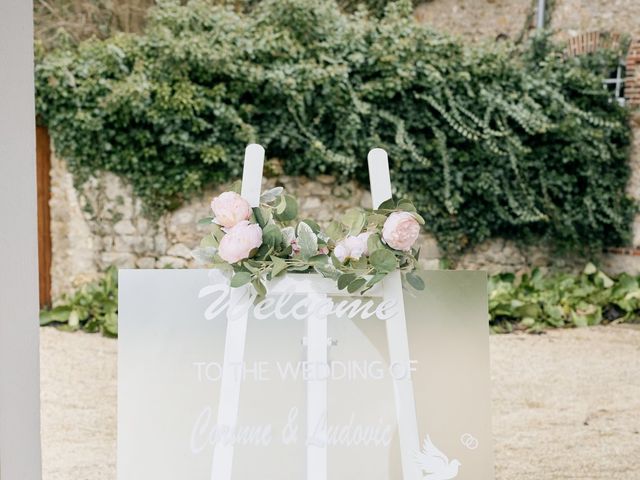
(307, 383)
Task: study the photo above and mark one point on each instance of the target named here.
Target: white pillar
(19, 362)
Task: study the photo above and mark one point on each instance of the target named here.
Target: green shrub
(536, 301)
(486, 141)
(92, 308)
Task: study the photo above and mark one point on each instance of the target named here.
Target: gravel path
(566, 405)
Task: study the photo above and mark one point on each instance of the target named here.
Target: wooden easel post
(397, 337)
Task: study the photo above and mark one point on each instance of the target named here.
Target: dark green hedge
(487, 141)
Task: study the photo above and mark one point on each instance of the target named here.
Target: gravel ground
(566, 405)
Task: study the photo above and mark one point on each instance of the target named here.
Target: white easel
(236, 330)
(317, 344)
(397, 337)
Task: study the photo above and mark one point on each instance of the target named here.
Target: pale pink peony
(240, 241)
(352, 247)
(400, 231)
(229, 208)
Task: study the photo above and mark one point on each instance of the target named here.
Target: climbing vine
(486, 141)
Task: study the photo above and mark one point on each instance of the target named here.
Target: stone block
(615, 264)
(184, 216)
(124, 227)
(125, 243)
(311, 203)
(180, 250)
(160, 244)
(146, 262)
(121, 260)
(167, 261)
(429, 248)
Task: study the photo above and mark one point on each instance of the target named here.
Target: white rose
(352, 247)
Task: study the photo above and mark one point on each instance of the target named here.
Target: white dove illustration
(434, 464)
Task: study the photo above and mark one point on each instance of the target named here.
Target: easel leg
(317, 357)
(231, 383)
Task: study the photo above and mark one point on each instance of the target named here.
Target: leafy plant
(536, 301)
(485, 140)
(92, 308)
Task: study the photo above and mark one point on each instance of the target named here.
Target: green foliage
(537, 301)
(303, 247)
(92, 308)
(486, 141)
(533, 302)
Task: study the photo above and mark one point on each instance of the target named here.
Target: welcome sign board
(305, 383)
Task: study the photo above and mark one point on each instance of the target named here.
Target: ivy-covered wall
(488, 142)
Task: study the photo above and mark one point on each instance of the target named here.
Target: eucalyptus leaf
(271, 194)
(415, 280)
(378, 277)
(376, 219)
(319, 259)
(272, 236)
(406, 205)
(289, 234)
(217, 232)
(260, 287)
(327, 270)
(209, 241)
(204, 255)
(307, 240)
(383, 260)
(374, 243)
(335, 231)
(356, 285)
(354, 219)
(389, 204)
(314, 226)
(240, 278)
(345, 279)
(288, 210)
(279, 266)
(205, 221)
(263, 216)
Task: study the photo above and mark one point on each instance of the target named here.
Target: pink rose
(352, 247)
(240, 241)
(229, 208)
(400, 231)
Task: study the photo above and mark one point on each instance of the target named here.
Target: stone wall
(488, 19)
(105, 225)
(476, 19)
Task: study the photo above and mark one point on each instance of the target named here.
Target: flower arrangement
(357, 251)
